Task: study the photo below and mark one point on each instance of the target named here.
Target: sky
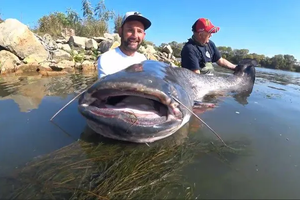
(266, 27)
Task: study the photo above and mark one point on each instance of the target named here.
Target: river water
(265, 125)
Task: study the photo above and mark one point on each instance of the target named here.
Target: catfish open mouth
(143, 109)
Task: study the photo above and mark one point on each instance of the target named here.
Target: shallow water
(267, 122)
(270, 123)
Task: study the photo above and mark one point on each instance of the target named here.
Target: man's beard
(127, 46)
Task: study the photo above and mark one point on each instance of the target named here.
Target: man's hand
(197, 71)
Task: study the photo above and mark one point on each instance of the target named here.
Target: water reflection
(29, 91)
(26, 104)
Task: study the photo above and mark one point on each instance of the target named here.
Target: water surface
(266, 123)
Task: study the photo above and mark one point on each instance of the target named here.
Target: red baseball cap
(203, 24)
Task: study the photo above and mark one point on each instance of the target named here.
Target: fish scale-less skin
(198, 85)
(160, 82)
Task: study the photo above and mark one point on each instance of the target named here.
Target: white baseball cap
(133, 15)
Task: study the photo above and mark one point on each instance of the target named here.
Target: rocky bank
(22, 51)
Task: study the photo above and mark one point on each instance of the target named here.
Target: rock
(59, 45)
(109, 36)
(89, 57)
(31, 67)
(77, 41)
(66, 65)
(88, 66)
(88, 52)
(53, 73)
(91, 44)
(32, 59)
(64, 47)
(61, 55)
(151, 53)
(142, 49)
(116, 38)
(168, 49)
(77, 65)
(105, 46)
(8, 61)
(45, 66)
(61, 41)
(151, 57)
(49, 42)
(173, 57)
(18, 72)
(148, 51)
(74, 52)
(99, 39)
(22, 51)
(18, 39)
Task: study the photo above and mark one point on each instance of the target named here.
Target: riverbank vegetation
(94, 19)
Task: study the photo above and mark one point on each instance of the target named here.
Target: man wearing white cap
(132, 33)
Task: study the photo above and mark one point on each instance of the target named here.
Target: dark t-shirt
(194, 56)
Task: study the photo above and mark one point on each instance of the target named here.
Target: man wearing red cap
(200, 52)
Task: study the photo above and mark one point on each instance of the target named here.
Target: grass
(84, 170)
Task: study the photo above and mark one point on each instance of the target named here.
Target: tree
(87, 9)
(239, 54)
(102, 13)
(73, 18)
(93, 23)
(117, 22)
(177, 47)
(289, 62)
(226, 52)
(53, 23)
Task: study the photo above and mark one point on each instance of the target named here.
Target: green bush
(93, 23)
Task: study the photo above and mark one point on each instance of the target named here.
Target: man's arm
(219, 60)
(190, 60)
(225, 63)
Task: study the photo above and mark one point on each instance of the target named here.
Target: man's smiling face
(132, 35)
